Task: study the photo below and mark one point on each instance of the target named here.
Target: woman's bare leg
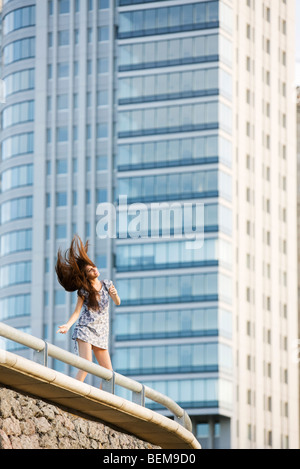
(85, 351)
(103, 358)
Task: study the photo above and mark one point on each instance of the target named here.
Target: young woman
(75, 271)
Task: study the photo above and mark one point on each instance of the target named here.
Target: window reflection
(205, 286)
(20, 240)
(20, 18)
(17, 305)
(185, 17)
(174, 52)
(18, 113)
(176, 151)
(198, 184)
(17, 177)
(18, 50)
(174, 358)
(19, 272)
(19, 81)
(170, 119)
(16, 209)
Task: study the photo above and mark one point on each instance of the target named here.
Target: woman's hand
(114, 295)
(63, 329)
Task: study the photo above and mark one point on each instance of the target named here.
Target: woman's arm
(114, 295)
(65, 327)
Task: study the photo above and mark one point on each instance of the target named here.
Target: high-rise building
(265, 199)
(56, 151)
(165, 102)
(174, 329)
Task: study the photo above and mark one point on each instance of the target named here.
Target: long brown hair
(70, 269)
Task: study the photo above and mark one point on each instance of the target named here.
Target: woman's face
(92, 272)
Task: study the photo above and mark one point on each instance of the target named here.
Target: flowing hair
(70, 269)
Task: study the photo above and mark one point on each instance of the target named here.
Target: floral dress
(93, 325)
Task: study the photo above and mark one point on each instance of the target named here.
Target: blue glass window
(102, 65)
(63, 38)
(19, 81)
(173, 254)
(19, 50)
(62, 101)
(172, 52)
(195, 184)
(103, 33)
(188, 322)
(59, 297)
(20, 240)
(20, 18)
(103, 4)
(201, 287)
(187, 117)
(102, 98)
(13, 306)
(64, 6)
(102, 130)
(60, 231)
(185, 17)
(101, 261)
(17, 145)
(63, 70)
(101, 195)
(173, 358)
(16, 209)
(174, 152)
(62, 134)
(17, 177)
(18, 113)
(61, 199)
(12, 274)
(62, 166)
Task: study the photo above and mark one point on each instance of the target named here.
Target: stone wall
(31, 423)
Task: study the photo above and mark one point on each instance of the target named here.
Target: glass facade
(20, 18)
(172, 254)
(174, 85)
(18, 113)
(175, 322)
(174, 152)
(17, 176)
(16, 305)
(181, 358)
(73, 136)
(171, 52)
(16, 145)
(173, 329)
(19, 50)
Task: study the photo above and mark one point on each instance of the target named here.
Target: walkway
(33, 378)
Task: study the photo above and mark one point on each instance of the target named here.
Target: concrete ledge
(27, 376)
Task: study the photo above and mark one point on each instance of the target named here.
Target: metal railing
(43, 350)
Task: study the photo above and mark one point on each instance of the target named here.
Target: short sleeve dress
(93, 325)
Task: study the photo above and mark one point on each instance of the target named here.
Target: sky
(298, 42)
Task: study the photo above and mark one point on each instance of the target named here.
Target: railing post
(139, 397)
(108, 385)
(181, 420)
(41, 356)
